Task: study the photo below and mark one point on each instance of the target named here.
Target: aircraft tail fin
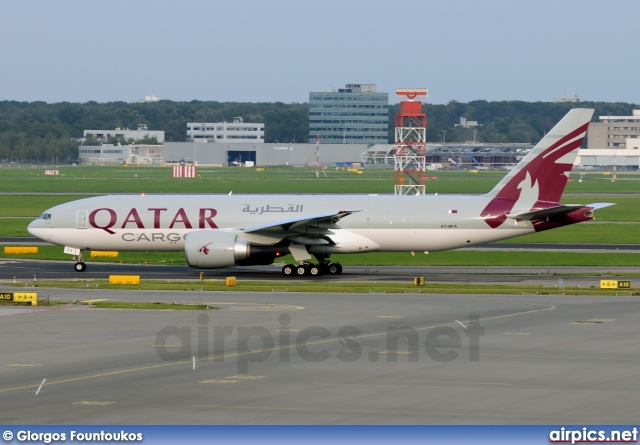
(544, 171)
(537, 182)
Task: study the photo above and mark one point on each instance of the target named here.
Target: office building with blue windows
(354, 114)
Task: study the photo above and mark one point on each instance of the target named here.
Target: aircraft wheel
(80, 266)
(301, 270)
(314, 270)
(335, 269)
(288, 270)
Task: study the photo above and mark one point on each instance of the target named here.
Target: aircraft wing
(555, 211)
(312, 229)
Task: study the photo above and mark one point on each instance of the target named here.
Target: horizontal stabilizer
(545, 213)
(600, 205)
(555, 211)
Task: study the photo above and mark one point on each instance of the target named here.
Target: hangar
(296, 155)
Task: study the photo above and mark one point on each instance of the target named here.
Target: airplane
(216, 231)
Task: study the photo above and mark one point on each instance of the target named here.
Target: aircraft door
(81, 219)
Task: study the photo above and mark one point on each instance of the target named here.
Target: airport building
(456, 155)
(613, 131)
(275, 154)
(226, 132)
(613, 141)
(627, 158)
(124, 134)
(121, 154)
(439, 156)
(354, 114)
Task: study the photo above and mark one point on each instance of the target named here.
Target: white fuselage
(378, 222)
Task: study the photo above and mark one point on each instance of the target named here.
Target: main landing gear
(313, 270)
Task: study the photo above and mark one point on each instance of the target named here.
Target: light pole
(444, 136)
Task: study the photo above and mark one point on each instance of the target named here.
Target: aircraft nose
(38, 228)
(33, 226)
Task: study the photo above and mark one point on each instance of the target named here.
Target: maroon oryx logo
(204, 249)
(537, 185)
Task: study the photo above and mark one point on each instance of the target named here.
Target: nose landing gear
(80, 265)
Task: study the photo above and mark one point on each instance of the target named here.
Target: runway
(279, 358)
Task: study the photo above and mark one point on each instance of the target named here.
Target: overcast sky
(280, 50)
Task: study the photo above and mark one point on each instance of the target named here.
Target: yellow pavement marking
(236, 306)
(93, 301)
(566, 357)
(442, 381)
(93, 403)
(246, 377)
(276, 408)
(220, 381)
(399, 385)
(22, 365)
(238, 354)
(283, 307)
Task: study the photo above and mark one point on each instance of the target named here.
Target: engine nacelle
(210, 249)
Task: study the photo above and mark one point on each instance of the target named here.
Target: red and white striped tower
(410, 149)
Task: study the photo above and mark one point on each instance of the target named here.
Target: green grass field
(119, 179)
(25, 192)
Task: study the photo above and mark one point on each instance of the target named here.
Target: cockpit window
(45, 216)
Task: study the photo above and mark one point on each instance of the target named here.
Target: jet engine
(210, 249)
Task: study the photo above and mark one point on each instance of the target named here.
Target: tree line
(43, 132)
